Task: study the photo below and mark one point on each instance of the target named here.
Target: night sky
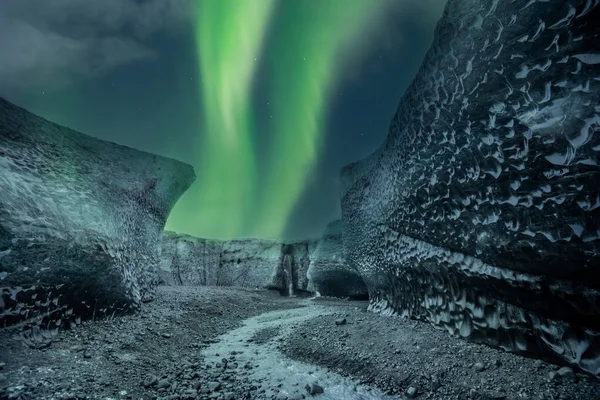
(267, 99)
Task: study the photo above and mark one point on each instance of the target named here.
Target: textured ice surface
(480, 212)
(188, 260)
(328, 274)
(80, 220)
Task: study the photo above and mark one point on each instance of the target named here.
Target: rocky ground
(411, 359)
(213, 343)
(153, 354)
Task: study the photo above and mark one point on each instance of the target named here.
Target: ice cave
(300, 199)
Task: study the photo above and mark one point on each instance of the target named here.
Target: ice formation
(80, 221)
(328, 274)
(252, 263)
(480, 212)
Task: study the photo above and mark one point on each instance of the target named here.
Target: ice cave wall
(80, 221)
(481, 211)
(252, 263)
(328, 273)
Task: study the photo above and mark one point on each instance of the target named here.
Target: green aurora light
(309, 50)
(229, 35)
(229, 198)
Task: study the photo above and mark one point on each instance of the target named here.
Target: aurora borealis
(229, 35)
(266, 99)
(305, 66)
(231, 199)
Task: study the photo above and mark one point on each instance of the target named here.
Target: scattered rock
(313, 389)
(411, 392)
(479, 367)
(163, 384)
(213, 386)
(566, 373)
(340, 321)
(150, 380)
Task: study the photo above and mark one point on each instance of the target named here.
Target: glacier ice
(328, 273)
(251, 263)
(80, 221)
(478, 213)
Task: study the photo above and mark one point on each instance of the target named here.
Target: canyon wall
(328, 273)
(80, 221)
(481, 211)
(252, 263)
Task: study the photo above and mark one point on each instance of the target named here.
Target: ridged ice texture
(80, 220)
(492, 159)
(253, 263)
(328, 273)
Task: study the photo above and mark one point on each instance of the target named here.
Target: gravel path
(412, 359)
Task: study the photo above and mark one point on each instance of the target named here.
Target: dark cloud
(60, 40)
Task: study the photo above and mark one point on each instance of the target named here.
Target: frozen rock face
(80, 221)
(480, 212)
(328, 274)
(253, 263)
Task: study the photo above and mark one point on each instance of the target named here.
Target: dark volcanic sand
(109, 359)
(395, 354)
(169, 351)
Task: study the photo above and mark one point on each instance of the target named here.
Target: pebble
(313, 388)
(163, 384)
(411, 392)
(566, 373)
(149, 381)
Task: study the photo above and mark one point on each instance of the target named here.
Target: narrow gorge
(463, 261)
